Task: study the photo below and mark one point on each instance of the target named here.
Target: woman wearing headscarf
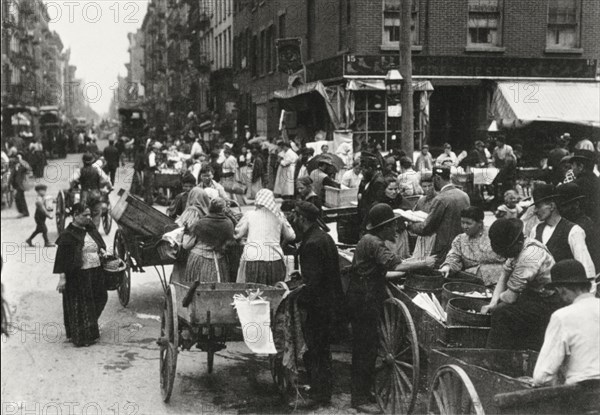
(265, 230)
(208, 239)
(196, 208)
(81, 282)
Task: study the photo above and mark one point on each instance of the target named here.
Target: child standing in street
(41, 213)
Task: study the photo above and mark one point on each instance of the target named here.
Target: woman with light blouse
(266, 229)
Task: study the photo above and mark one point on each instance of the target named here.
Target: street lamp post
(406, 94)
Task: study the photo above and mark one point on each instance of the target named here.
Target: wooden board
(133, 213)
(216, 298)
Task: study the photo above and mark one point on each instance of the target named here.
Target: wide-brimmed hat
(543, 193)
(567, 272)
(88, 158)
(113, 264)
(584, 155)
(504, 233)
(569, 192)
(379, 215)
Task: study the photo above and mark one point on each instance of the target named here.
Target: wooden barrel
(458, 314)
(451, 290)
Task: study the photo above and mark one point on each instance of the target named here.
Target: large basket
(133, 213)
(340, 197)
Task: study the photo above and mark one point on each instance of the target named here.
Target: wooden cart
(208, 322)
(480, 381)
(170, 182)
(407, 334)
(138, 240)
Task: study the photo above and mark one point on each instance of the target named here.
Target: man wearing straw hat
(366, 294)
(571, 350)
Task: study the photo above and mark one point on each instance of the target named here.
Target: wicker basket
(133, 213)
(340, 197)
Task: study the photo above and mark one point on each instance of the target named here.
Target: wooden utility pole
(406, 93)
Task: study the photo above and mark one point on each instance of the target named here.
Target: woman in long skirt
(264, 229)
(208, 239)
(81, 278)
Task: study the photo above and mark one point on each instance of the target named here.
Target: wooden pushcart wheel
(107, 219)
(60, 212)
(397, 364)
(169, 343)
(120, 250)
(452, 392)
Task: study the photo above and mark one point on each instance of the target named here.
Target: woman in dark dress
(208, 240)
(81, 282)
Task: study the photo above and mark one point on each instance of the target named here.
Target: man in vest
(564, 239)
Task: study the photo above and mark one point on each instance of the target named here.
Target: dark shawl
(213, 230)
(70, 244)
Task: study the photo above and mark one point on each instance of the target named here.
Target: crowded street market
(257, 222)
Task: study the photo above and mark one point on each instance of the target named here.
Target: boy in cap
(41, 213)
(571, 350)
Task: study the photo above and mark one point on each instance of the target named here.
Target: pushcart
(170, 182)
(480, 381)
(138, 240)
(66, 199)
(208, 323)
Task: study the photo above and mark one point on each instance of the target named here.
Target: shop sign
(289, 55)
(473, 67)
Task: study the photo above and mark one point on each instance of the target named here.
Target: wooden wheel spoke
(439, 402)
(403, 396)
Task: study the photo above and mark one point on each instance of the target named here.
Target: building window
(377, 119)
(262, 53)
(484, 23)
(270, 49)
(342, 28)
(563, 24)
(254, 55)
(310, 27)
(391, 23)
(282, 26)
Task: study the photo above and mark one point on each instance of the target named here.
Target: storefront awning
(516, 104)
(332, 96)
(379, 85)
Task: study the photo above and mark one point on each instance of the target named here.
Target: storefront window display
(377, 119)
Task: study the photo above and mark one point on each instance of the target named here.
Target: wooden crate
(340, 197)
(133, 213)
(167, 180)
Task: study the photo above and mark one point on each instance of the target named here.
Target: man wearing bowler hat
(366, 294)
(320, 297)
(583, 162)
(371, 189)
(570, 199)
(521, 304)
(444, 220)
(571, 350)
(564, 239)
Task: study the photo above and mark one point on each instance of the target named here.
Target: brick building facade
(464, 48)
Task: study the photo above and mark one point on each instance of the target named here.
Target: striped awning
(519, 103)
